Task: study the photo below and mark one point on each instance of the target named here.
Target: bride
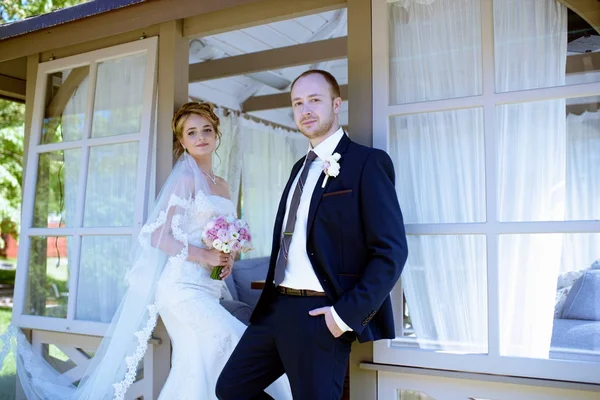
(170, 277)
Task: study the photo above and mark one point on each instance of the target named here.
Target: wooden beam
(128, 37)
(589, 10)
(172, 93)
(582, 63)
(301, 54)
(360, 72)
(66, 90)
(32, 70)
(126, 19)
(257, 13)
(13, 88)
(279, 100)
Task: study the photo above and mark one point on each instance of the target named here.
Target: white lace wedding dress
(202, 332)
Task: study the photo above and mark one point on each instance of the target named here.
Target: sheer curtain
(228, 162)
(435, 50)
(436, 54)
(268, 157)
(531, 51)
(111, 177)
(582, 190)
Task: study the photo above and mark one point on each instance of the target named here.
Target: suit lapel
(319, 190)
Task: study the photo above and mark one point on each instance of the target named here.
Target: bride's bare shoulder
(222, 188)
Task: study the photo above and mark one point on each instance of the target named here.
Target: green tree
(14, 10)
(12, 117)
(11, 170)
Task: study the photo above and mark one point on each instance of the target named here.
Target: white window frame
(144, 137)
(404, 352)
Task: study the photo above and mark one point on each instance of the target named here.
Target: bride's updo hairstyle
(203, 109)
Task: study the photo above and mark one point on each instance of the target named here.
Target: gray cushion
(231, 286)
(583, 301)
(568, 334)
(241, 311)
(246, 271)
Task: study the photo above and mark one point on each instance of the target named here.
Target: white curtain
(228, 161)
(435, 54)
(269, 154)
(110, 187)
(439, 160)
(435, 50)
(531, 51)
(582, 188)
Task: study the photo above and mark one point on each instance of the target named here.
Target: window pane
(540, 43)
(119, 96)
(56, 189)
(550, 296)
(549, 152)
(64, 116)
(439, 162)
(445, 283)
(434, 50)
(48, 276)
(104, 262)
(111, 183)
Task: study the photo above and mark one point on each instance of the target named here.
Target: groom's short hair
(333, 85)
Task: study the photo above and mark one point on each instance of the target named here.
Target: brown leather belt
(299, 292)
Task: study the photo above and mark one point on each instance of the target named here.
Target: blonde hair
(202, 109)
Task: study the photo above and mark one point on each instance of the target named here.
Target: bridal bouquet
(226, 233)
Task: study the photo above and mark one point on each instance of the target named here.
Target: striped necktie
(286, 238)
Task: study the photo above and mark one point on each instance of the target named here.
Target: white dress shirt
(299, 273)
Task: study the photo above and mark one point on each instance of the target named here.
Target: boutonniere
(331, 167)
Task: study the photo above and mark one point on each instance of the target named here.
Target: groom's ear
(337, 105)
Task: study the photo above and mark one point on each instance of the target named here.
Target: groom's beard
(321, 130)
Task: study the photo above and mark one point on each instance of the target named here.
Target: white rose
(217, 244)
(234, 235)
(225, 249)
(336, 156)
(333, 170)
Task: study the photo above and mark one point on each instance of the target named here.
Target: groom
(338, 250)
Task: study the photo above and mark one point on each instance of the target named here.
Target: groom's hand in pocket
(331, 325)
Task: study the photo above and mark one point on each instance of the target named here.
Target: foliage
(11, 169)
(7, 277)
(8, 371)
(14, 10)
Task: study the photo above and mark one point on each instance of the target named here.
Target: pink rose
(211, 236)
(236, 246)
(223, 235)
(221, 225)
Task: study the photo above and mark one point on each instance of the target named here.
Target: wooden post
(363, 383)
(173, 67)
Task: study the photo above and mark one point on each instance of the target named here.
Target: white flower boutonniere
(331, 167)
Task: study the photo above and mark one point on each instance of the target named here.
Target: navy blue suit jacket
(355, 240)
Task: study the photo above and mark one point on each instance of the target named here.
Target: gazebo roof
(62, 16)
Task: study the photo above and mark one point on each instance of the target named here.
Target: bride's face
(199, 137)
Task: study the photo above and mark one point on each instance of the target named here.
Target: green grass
(58, 275)
(8, 372)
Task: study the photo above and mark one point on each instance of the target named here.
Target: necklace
(213, 178)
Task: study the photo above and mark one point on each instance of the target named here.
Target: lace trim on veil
(132, 362)
(145, 334)
(115, 367)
